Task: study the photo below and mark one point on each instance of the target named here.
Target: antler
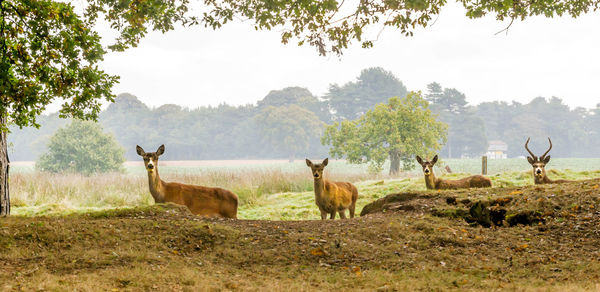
(544, 156)
(530, 153)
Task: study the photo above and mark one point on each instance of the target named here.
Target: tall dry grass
(45, 193)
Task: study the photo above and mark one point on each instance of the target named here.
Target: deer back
(475, 181)
(205, 201)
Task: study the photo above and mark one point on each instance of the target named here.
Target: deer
(203, 201)
(332, 197)
(433, 183)
(539, 164)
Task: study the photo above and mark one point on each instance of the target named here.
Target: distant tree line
(289, 123)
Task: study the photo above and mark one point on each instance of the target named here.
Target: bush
(82, 147)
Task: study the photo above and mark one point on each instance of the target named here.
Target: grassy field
(272, 190)
(472, 165)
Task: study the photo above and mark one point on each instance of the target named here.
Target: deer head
(150, 158)
(317, 169)
(427, 165)
(538, 163)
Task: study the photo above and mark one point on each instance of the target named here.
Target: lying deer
(331, 196)
(205, 201)
(433, 183)
(539, 164)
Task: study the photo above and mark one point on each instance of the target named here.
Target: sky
(237, 65)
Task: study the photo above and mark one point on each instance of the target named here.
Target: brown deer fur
(433, 183)
(332, 197)
(539, 164)
(205, 201)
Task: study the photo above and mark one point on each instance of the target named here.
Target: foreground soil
(420, 243)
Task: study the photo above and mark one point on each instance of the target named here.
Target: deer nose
(316, 175)
(538, 171)
(150, 166)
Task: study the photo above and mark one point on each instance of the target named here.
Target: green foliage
(373, 86)
(82, 147)
(398, 130)
(288, 128)
(330, 26)
(49, 52)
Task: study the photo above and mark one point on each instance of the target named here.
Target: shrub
(82, 147)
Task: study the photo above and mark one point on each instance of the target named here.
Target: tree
(373, 86)
(298, 96)
(82, 147)
(332, 25)
(47, 52)
(466, 131)
(288, 129)
(397, 130)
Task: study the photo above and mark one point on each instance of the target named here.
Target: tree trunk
(4, 194)
(394, 163)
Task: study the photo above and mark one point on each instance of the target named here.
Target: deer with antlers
(539, 164)
(205, 201)
(433, 183)
(332, 197)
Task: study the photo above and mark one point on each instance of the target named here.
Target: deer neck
(544, 179)
(156, 186)
(431, 181)
(319, 187)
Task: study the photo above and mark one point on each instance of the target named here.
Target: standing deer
(205, 201)
(331, 196)
(433, 183)
(539, 164)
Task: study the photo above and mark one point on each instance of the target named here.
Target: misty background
(287, 123)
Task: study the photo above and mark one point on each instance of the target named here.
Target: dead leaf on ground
(318, 252)
(356, 271)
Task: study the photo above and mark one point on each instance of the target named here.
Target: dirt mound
(429, 246)
(400, 201)
(500, 206)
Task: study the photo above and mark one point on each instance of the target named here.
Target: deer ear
(325, 161)
(160, 150)
(547, 159)
(435, 159)
(530, 160)
(139, 150)
(419, 160)
(308, 162)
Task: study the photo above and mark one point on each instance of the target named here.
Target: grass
(265, 192)
(35, 193)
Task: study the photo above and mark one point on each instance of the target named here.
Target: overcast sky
(238, 65)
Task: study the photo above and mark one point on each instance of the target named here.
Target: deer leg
(323, 215)
(352, 208)
(332, 215)
(342, 214)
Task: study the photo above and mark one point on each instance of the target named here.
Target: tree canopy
(289, 129)
(49, 52)
(397, 130)
(353, 99)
